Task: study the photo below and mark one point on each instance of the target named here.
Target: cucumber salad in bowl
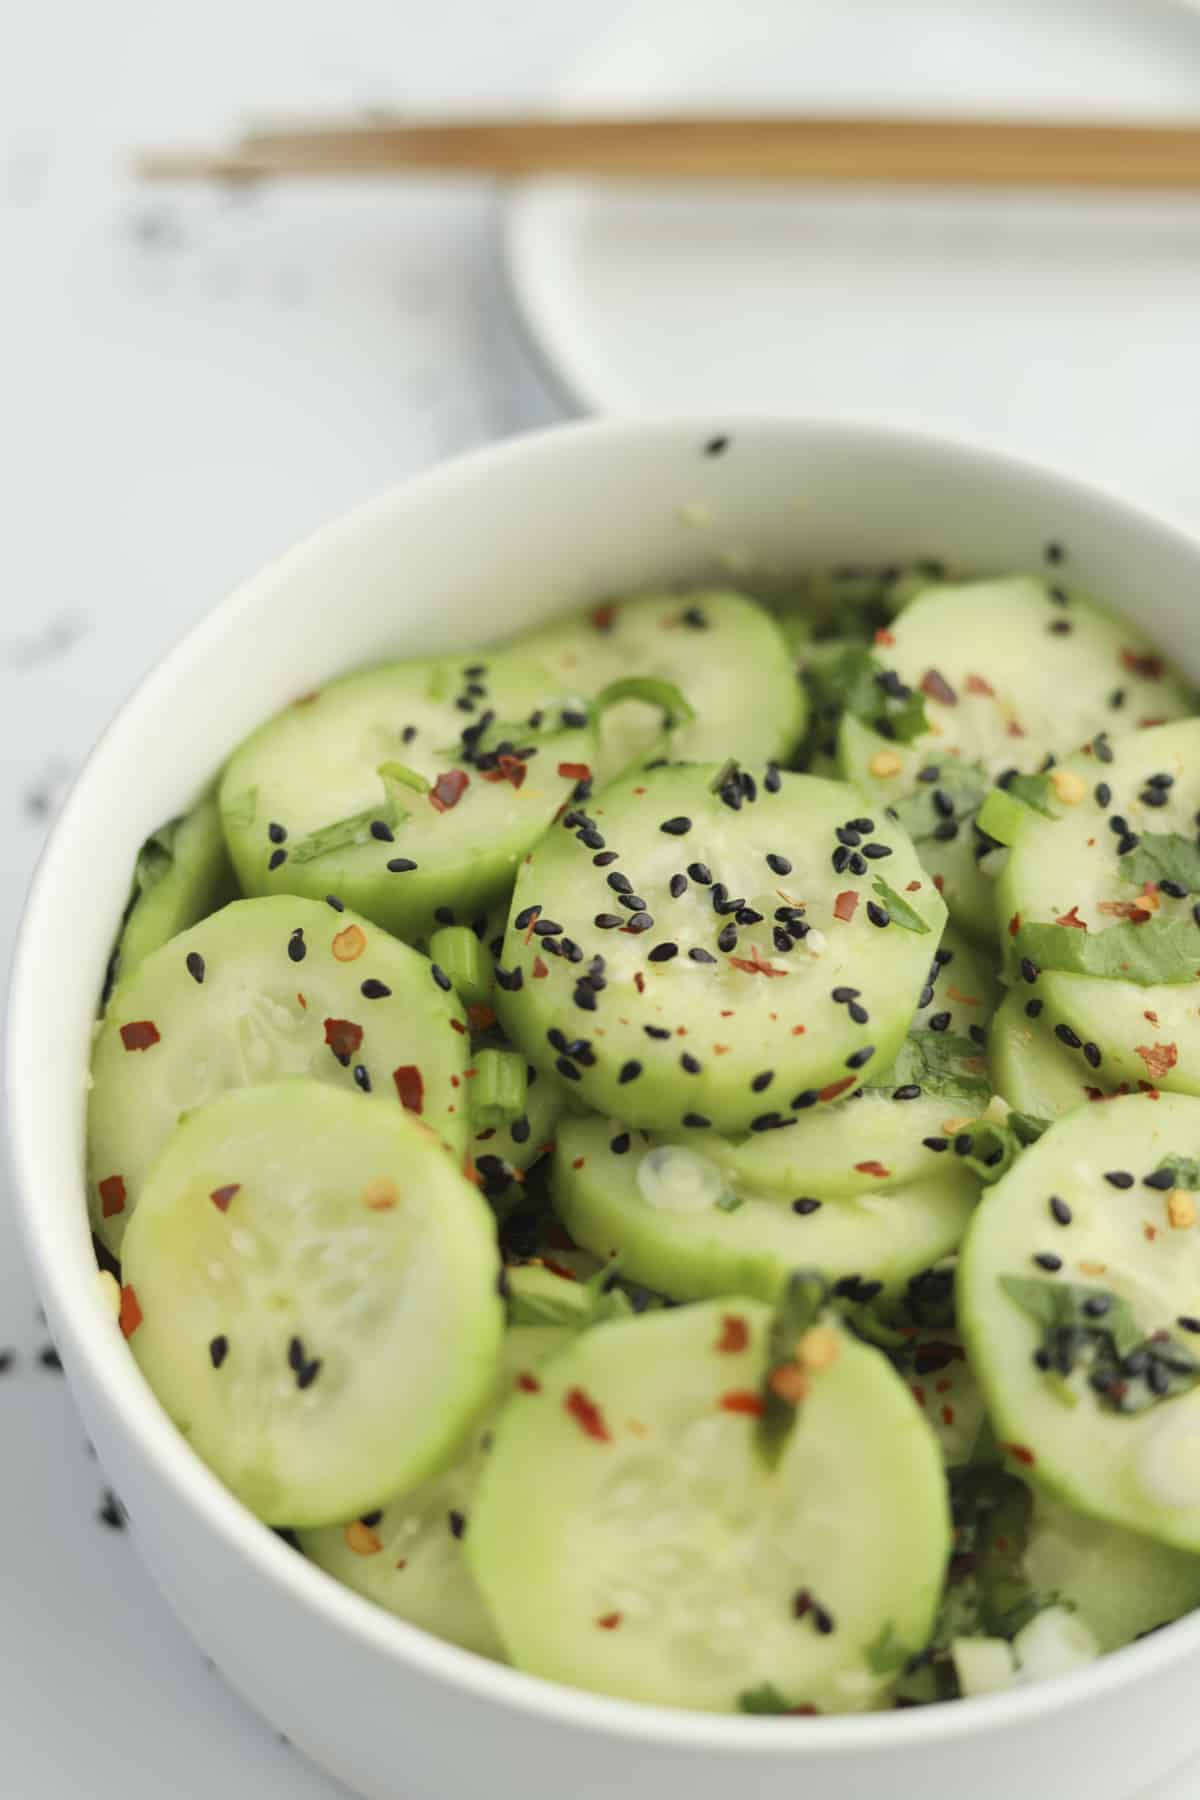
(667, 1152)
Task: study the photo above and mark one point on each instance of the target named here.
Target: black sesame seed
(1162, 1179)
(939, 1021)
(1046, 1259)
(629, 1072)
(700, 873)
(930, 773)
(942, 803)
(337, 905)
(858, 1013)
(1196, 912)
(556, 1038)
(701, 956)
(860, 1058)
(856, 865)
(845, 834)
(807, 1098)
(382, 830)
(607, 921)
(547, 928)
(362, 1078)
(663, 953)
(1029, 969)
(1175, 889)
(194, 964)
(840, 858)
(1054, 552)
(806, 1206)
(1091, 1053)
(823, 1621)
(769, 1121)
(111, 1512)
(696, 1121)
(936, 1144)
(678, 886)
(591, 839)
(276, 859)
(910, 1091)
(962, 1143)
(1066, 1036)
(771, 779)
(277, 833)
(946, 831)
(1103, 793)
(1060, 1212)
(641, 921)
(779, 864)
(218, 1349)
(876, 851)
(620, 1144)
(567, 1069)
(1033, 1008)
(1153, 797)
(727, 938)
(375, 990)
(1161, 780)
(689, 1063)
(1187, 1323)
(401, 865)
(1102, 747)
(297, 949)
(1097, 1305)
(510, 980)
(677, 827)
(50, 1359)
(444, 915)
(440, 976)
(1059, 627)
(842, 994)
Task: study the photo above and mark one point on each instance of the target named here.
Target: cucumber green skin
(888, 965)
(399, 1306)
(714, 667)
(1071, 861)
(317, 763)
(964, 884)
(199, 881)
(1084, 1455)
(420, 1573)
(1031, 1069)
(676, 1525)
(1056, 687)
(882, 1230)
(1120, 1583)
(245, 1024)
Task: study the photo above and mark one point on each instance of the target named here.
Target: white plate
(1055, 324)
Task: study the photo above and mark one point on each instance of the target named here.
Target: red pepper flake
(911, 887)
(754, 964)
(1140, 663)
(918, 1394)
(480, 1017)
(1144, 1089)
(307, 699)
(112, 1196)
(560, 1269)
(947, 1415)
(610, 1621)
(735, 1334)
(448, 789)
(540, 969)
(837, 1087)
(939, 882)
(587, 1415)
(806, 1711)
(343, 1036)
(527, 1383)
(221, 1196)
(873, 1168)
(639, 790)
(604, 617)
(578, 1162)
(977, 685)
(141, 1035)
(742, 1400)
(410, 1086)
(884, 636)
(1014, 924)
(1158, 1058)
(535, 913)
(574, 771)
(952, 993)
(639, 981)
(846, 904)
(303, 1001)
(457, 1025)
(1073, 918)
(799, 1030)
(1021, 1454)
(1152, 1017)
(1124, 909)
(546, 1149)
(508, 768)
(1145, 724)
(1149, 1232)
(1015, 730)
(556, 1233)
(130, 1315)
(936, 687)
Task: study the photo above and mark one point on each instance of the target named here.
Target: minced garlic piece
(1181, 1209)
(1069, 786)
(885, 763)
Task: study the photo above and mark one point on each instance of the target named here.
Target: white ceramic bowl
(471, 552)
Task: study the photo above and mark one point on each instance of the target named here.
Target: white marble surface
(187, 382)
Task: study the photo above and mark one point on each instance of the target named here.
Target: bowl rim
(85, 1332)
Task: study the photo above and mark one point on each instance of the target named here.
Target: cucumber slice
(409, 857)
(631, 1538)
(1031, 1068)
(1119, 856)
(315, 1298)
(1119, 1583)
(1080, 1197)
(689, 1017)
(261, 989)
(407, 1556)
(715, 646)
(937, 803)
(1013, 668)
(183, 874)
(694, 1219)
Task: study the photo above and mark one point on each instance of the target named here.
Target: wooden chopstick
(894, 152)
